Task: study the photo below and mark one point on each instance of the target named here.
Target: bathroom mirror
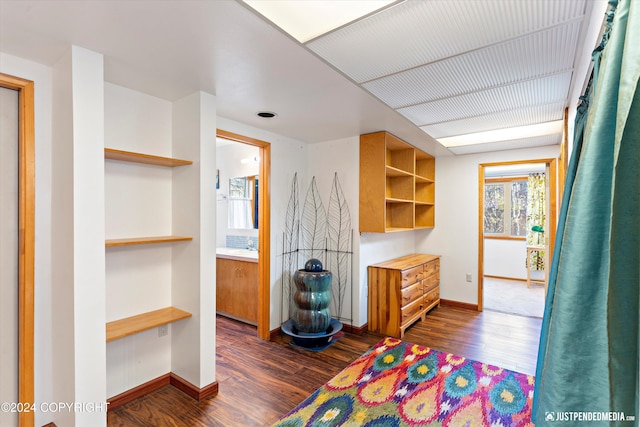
(243, 202)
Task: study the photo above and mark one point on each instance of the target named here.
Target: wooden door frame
(26, 182)
(264, 229)
(551, 162)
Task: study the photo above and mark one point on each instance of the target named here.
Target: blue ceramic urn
(311, 313)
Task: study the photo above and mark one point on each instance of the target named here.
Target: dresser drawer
(409, 311)
(431, 282)
(431, 297)
(411, 293)
(431, 268)
(412, 275)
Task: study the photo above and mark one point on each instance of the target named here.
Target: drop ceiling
(421, 69)
(466, 66)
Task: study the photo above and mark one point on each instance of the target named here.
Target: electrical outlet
(469, 277)
(163, 330)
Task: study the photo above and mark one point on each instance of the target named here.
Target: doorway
(263, 208)
(500, 180)
(23, 228)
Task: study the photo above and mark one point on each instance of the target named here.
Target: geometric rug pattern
(396, 383)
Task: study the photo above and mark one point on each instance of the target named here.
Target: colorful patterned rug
(401, 384)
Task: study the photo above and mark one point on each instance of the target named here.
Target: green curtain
(588, 361)
(536, 201)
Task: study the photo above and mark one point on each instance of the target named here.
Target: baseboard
(491, 276)
(137, 392)
(275, 333)
(459, 304)
(191, 390)
(167, 379)
(356, 330)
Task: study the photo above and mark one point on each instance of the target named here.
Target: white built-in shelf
(147, 159)
(145, 240)
(142, 322)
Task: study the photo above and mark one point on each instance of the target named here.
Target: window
(505, 207)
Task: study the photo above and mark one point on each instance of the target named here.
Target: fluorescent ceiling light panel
(305, 20)
(508, 134)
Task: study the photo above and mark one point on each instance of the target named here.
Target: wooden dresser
(402, 291)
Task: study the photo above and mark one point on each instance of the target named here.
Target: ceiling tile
(504, 119)
(538, 54)
(546, 90)
(410, 34)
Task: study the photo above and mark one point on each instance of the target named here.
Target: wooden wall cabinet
(237, 289)
(397, 185)
(402, 291)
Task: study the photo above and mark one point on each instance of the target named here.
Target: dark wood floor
(259, 381)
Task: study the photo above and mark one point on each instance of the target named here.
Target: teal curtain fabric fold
(589, 355)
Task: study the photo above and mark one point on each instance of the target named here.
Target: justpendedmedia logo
(587, 416)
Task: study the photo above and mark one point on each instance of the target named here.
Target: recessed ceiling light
(266, 114)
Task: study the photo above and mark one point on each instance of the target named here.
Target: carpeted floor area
(513, 296)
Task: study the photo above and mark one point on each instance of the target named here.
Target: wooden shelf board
(391, 171)
(418, 202)
(142, 322)
(147, 159)
(393, 200)
(145, 240)
(394, 229)
(424, 179)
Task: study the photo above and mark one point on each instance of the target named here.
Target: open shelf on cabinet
(147, 159)
(425, 192)
(399, 214)
(145, 240)
(424, 215)
(425, 166)
(397, 185)
(142, 322)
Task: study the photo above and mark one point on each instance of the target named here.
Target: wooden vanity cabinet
(402, 291)
(237, 289)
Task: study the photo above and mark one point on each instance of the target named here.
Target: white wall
(505, 258)
(455, 236)
(44, 332)
(193, 272)
(78, 257)
(323, 163)
(229, 165)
